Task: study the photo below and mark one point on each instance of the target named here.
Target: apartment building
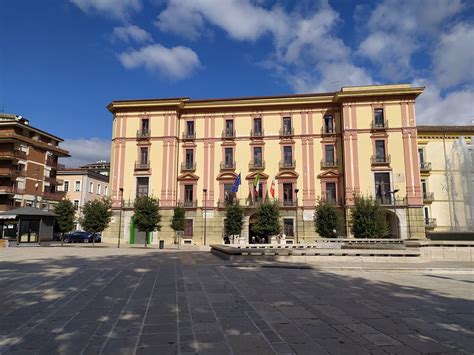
(80, 185)
(336, 145)
(101, 167)
(28, 164)
(446, 155)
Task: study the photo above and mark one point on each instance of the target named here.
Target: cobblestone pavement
(104, 300)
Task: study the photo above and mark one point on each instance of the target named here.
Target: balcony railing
(328, 164)
(13, 154)
(428, 197)
(189, 136)
(188, 166)
(328, 131)
(430, 222)
(143, 134)
(379, 126)
(289, 203)
(257, 165)
(142, 165)
(287, 164)
(385, 200)
(188, 203)
(12, 172)
(228, 134)
(228, 166)
(51, 162)
(256, 134)
(425, 166)
(287, 132)
(380, 160)
(55, 196)
(11, 190)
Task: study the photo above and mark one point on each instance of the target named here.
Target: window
(287, 125)
(421, 154)
(77, 186)
(229, 128)
(190, 129)
(189, 158)
(145, 126)
(66, 186)
(98, 189)
(188, 195)
(144, 156)
(426, 213)
(229, 157)
(142, 186)
(329, 154)
(378, 117)
(257, 157)
(288, 194)
(188, 227)
(328, 124)
(257, 126)
(331, 192)
(380, 155)
(258, 196)
(91, 187)
(76, 204)
(288, 227)
(106, 190)
(382, 188)
(288, 155)
(228, 194)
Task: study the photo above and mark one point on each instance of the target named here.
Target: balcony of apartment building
(425, 167)
(52, 162)
(15, 154)
(256, 134)
(142, 165)
(11, 172)
(286, 164)
(384, 159)
(228, 165)
(11, 190)
(328, 131)
(228, 134)
(188, 136)
(287, 132)
(188, 166)
(143, 134)
(54, 195)
(428, 197)
(188, 203)
(328, 163)
(257, 165)
(430, 223)
(380, 125)
(288, 202)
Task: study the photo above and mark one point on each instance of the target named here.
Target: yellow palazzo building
(335, 145)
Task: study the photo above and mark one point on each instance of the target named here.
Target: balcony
(288, 203)
(188, 204)
(385, 200)
(188, 166)
(328, 131)
(256, 134)
(430, 223)
(228, 134)
(287, 164)
(380, 160)
(143, 134)
(55, 196)
(13, 154)
(428, 197)
(12, 172)
(11, 190)
(142, 165)
(327, 164)
(287, 132)
(257, 165)
(425, 167)
(379, 126)
(188, 136)
(51, 162)
(228, 166)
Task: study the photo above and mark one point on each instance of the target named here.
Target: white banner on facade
(208, 214)
(308, 215)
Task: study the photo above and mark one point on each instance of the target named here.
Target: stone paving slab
(138, 301)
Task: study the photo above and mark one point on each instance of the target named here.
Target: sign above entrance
(308, 215)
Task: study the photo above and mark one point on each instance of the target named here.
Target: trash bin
(162, 244)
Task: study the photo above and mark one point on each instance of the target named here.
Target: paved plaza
(75, 300)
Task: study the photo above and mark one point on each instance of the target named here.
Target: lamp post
(36, 196)
(296, 217)
(205, 213)
(395, 211)
(120, 217)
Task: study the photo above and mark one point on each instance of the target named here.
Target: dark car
(81, 237)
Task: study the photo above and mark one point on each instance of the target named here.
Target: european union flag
(235, 187)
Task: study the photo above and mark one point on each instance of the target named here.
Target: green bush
(368, 219)
(327, 219)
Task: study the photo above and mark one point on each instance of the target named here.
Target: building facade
(446, 155)
(80, 186)
(357, 141)
(28, 165)
(101, 167)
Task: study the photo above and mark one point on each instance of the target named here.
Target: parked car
(81, 237)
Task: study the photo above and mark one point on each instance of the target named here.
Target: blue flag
(235, 187)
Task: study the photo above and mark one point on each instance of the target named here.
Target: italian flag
(256, 184)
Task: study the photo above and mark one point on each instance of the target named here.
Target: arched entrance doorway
(255, 238)
(393, 224)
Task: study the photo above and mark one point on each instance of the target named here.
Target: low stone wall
(447, 251)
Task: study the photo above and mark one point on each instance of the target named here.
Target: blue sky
(62, 62)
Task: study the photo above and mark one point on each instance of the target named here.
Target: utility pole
(205, 213)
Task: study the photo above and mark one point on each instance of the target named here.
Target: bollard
(162, 244)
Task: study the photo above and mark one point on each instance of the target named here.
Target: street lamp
(296, 218)
(36, 195)
(395, 211)
(120, 217)
(205, 213)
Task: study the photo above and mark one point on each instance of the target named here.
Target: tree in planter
(234, 218)
(178, 220)
(147, 215)
(368, 219)
(327, 219)
(65, 212)
(268, 219)
(96, 215)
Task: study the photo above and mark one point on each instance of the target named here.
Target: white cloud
(177, 62)
(131, 33)
(119, 9)
(453, 57)
(85, 150)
